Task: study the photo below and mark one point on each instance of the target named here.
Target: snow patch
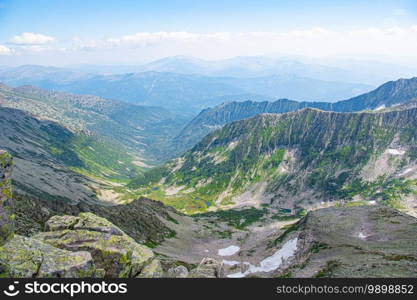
(229, 250)
(270, 263)
(405, 172)
(380, 107)
(395, 151)
(361, 235)
(230, 262)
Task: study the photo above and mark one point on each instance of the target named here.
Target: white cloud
(28, 38)
(5, 50)
(35, 48)
(149, 38)
(316, 42)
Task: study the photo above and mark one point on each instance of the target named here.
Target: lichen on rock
(6, 214)
(208, 268)
(24, 257)
(177, 272)
(152, 270)
(112, 250)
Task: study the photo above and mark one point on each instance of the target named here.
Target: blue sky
(126, 29)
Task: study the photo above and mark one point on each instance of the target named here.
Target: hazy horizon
(60, 33)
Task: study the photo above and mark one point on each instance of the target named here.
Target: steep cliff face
(6, 208)
(387, 95)
(298, 158)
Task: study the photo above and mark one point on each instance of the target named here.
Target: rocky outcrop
(77, 247)
(177, 272)
(362, 241)
(111, 249)
(152, 270)
(24, 257)
(208, 268)
(143, 219)
(6, 214)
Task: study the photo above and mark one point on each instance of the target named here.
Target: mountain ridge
(181, 92)
(310, 150)
(386, 95)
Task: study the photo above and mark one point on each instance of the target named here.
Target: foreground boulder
(6, 215)
(111, 249)
(152, 270)
(208, 268)
(177, 272)
(24, 257)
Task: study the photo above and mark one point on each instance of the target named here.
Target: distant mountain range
(387, 95)
(186, 93)
(369, 72)
(243, 67)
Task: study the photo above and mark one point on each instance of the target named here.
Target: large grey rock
(208, 268)
(112, 250)
(152, 270)
(177, 272)
(24, 257)
(6, 214)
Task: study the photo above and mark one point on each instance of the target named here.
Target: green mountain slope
(294, 160)
(46, 156)
(137, 130)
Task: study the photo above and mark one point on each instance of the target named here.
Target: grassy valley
(125, 137)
